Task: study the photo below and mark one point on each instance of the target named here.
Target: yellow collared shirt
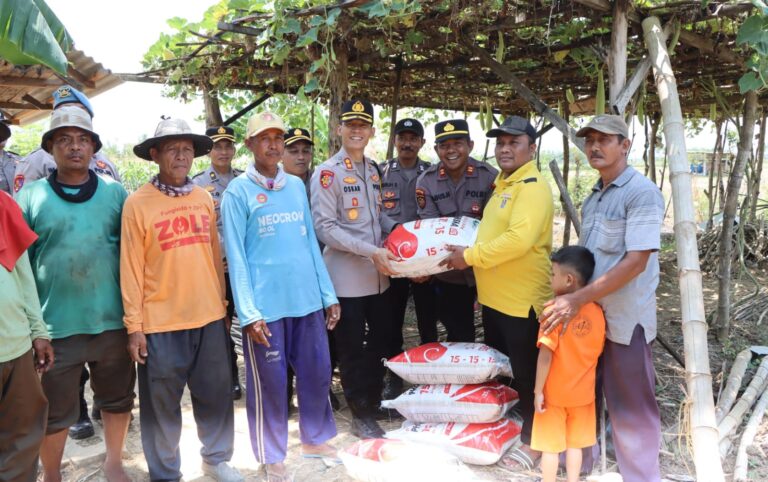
(511, 255)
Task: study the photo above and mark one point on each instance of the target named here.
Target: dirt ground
(84, 457)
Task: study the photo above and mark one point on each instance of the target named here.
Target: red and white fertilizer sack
(481, 403)
(450, 362)
(383, 460)
(421, 245)
(472, 443)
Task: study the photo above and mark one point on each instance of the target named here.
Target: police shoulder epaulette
(198, 174)
(530, 179)
(13, 153)
(432, 167)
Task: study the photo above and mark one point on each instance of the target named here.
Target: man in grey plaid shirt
(621, 225)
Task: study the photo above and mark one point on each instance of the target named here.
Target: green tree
(27, 139)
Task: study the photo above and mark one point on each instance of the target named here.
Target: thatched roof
(552, 46)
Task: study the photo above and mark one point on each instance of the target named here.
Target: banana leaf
(30, 34)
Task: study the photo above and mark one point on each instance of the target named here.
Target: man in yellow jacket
(511, 263)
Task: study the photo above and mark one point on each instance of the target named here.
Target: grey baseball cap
(607, 124)
(70, 116)
(513, 125)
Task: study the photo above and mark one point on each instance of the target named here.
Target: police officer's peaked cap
(218, 133)
(513, 125)
(296, 134)
(409, 125)
(66, 94)
(451, 129)
(357, 109)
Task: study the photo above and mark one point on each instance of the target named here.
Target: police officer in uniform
(346, 210)
(458, 185)
(8, 160)
(297, 157)
(215, 180)
(39, 164)
(399, 203)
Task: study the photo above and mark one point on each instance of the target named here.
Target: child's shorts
(559, 428)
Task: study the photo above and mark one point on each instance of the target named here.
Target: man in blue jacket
(271, 249)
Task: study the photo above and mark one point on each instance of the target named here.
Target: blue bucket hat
(67, 93)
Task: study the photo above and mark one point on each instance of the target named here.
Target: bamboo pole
(746, 133)
(698, 376)
(733, 385)
(756, 386)
(740, 468)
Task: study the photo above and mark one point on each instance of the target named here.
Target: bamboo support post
(565, 197)
(740, 468)
(733, 385)
(698, 375)
(734, 418)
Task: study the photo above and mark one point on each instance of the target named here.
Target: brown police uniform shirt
(437, 196)
(398, 189)
(346, 210)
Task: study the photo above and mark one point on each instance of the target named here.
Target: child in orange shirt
(565, 372)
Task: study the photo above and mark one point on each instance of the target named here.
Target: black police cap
(357, 109)
(218, 133)
(409, 125)
(451, 129)
(295, 134)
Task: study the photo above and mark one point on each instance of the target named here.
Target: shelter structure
(26, 91)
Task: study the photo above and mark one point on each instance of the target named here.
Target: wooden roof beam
(37, 103)
(29, 81)
(687, 37)
(20, 106)
(523, 91)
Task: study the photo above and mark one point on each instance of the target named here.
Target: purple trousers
(303, 343)
(629, 385)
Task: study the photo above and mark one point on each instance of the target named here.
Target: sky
(118, 33)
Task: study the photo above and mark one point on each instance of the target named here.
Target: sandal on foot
(330, 458)
(517, 460)
(272, 477)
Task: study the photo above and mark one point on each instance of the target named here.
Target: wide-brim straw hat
(169, 129)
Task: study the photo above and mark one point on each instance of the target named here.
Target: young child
(565, 372)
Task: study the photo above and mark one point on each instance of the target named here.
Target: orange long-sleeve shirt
(171, 273)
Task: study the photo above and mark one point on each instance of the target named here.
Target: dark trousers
(362, 337)
(629, 384)
(231, 316)
(426, 306)
(516, 338)
(197, 358)
(456, 309)
(23, 413)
